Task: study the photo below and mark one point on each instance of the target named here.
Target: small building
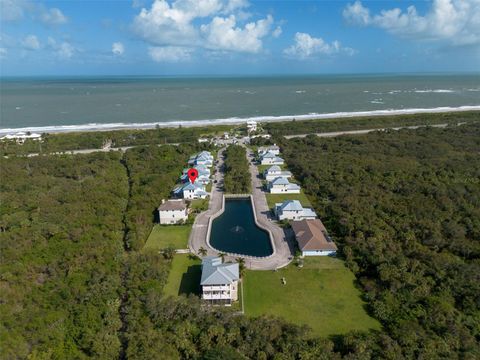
(293, 210)
(274, 149)
(313, 239)
(275, 171)
(219, 281)
(172, 211)
(281, 185)
(251, 126)
(190, 191)
(270, 159)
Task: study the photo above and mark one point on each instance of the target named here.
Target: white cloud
(52, 16)
(31, 42)
(223, 34)
(3, 53)
(306, 46)
(63, 50)
(208, 24)
(277, 32)
(118, 48)
(456, 22)
(170, 53)
(13, 10)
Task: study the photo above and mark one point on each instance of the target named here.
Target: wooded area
(404, 208)
(237, 175)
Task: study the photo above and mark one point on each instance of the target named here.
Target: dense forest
(237, 174)
(403, 206)
(61, 244)
(367, 122)
(405, 209)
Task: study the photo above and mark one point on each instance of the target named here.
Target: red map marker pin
(192, 174)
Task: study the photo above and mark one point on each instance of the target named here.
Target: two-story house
(191, 191)
(281, 185)
(293, 210)
(172, 211)
(219, 281)
(274, 172)
(270, 159)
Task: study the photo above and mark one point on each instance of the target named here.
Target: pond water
(235, 230)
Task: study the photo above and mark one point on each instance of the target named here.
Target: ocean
(88, 103)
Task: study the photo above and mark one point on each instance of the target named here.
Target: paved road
(283, 243)
(366, 131)
(198, 235)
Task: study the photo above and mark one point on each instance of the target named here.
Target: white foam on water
(438, 91)
(232, 120)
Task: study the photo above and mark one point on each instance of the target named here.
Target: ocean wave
(231, 120)
(438, 91)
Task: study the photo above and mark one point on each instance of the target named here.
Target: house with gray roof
(293, 210)
(274, 149)
(275, 171)
(219, 281)
(191, 191)
(281, 185)
(203, 158)
(270, 159)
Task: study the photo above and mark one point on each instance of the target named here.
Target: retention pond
(235, 231)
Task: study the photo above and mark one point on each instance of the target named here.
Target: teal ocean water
(47, 104)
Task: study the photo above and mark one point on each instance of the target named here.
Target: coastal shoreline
(232, 120)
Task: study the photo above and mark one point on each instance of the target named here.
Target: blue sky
(170, 37)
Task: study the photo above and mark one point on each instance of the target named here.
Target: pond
(235, 231)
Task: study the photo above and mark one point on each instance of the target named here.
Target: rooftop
(216, 273)
(312, 235)
(173, 204)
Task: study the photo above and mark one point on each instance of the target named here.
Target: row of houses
(309, 231)
(202, 162)
(174, 211)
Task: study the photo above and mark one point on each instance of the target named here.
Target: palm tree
(222, 255)
(202, 251)
(241, 266)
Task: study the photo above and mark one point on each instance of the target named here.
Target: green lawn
(199, 205)
(321, 295)
(163, 236)
(278, 198)
(184, 276)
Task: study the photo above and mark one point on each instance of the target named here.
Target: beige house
(172, 211)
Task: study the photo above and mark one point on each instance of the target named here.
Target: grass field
(184, 276)
(321, 295)
(163, 236)
(278, 198)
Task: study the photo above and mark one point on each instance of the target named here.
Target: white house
(172, 211)
(313, 239)
(203, 158)
(219, 281)
(270, 159)
(191, 191)
(275, 171)
(274, 149)
(251, 126)
(282, 186)
(293, 210)
(203, 175)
